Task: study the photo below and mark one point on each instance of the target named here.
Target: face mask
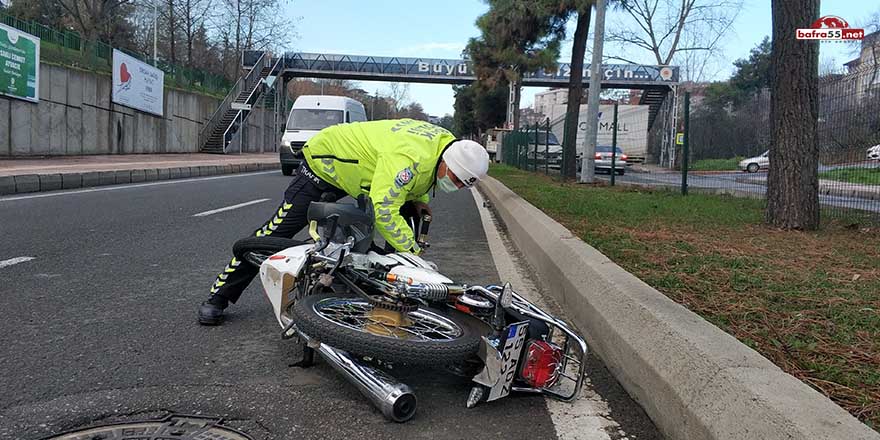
(446, 184)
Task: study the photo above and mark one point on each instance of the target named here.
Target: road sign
(679, 139)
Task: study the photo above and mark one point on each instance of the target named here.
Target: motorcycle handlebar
(422, 233)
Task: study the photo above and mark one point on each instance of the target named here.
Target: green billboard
(19, 64)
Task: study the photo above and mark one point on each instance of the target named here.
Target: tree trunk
(172, 27)
(517, 93)
(575, 92)
(793, 182)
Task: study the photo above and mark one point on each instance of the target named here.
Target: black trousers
(286, 221)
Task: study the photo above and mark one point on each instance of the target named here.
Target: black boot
(211, 311)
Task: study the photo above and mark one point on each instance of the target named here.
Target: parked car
(874, 152)
(308, 116)
(754, 164)
(603, 159)
(548, 145)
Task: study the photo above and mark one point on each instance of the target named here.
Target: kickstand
(308, 358)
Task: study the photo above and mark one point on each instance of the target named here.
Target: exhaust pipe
(394, 398)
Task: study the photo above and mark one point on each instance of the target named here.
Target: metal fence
(71, 49)
(727, 151)
(532, 147)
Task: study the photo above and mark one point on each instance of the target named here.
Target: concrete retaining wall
(75, 117)
(693, 380)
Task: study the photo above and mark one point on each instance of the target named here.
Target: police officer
(391, 161)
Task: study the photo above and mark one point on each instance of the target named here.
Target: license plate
(512, 346)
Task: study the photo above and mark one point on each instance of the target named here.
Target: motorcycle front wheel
(429, 335)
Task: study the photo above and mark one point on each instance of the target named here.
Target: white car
(753, 164)
(874, 152)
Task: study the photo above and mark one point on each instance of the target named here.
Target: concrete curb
(693, 380)
(830, 188)
(28, 183)
(696, 190)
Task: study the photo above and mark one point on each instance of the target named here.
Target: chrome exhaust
(394, 398)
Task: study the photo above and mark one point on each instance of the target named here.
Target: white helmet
(468, 160)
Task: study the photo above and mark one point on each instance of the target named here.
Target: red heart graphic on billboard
(123, 73)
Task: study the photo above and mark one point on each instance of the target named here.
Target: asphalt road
(99, 325)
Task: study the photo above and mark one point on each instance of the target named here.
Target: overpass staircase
(224, 129)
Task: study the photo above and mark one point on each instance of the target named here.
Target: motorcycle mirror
(506, 298)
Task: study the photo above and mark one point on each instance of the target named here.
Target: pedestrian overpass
(267, 75)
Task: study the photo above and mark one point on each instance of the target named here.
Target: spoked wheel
(255, 250)
(423, 336)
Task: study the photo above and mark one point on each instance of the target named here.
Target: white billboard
(137, 84)
(632, 127)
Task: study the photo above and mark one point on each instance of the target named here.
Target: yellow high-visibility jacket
(392, 161)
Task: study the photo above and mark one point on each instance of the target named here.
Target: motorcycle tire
(311, 316)
(262, 245)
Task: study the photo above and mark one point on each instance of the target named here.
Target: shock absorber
(428, 291)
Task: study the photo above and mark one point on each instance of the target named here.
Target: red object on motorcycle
(278, 257)
(541, 366)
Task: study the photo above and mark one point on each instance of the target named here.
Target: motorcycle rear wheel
(433, 336)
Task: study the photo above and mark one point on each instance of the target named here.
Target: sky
(440, 29)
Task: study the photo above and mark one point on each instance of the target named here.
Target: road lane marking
(229, 208)
(588, 417)
(136, 185)
(15, 260)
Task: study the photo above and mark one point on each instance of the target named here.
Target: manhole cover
(173, 427)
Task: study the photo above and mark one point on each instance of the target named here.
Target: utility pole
(155, 29)
(588, 158)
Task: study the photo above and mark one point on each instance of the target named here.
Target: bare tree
(682, 31)
(793, 181)
(700, 65)
(398, 93)
(91, 18)
(192, 18)
(829, 66)
(250, 25)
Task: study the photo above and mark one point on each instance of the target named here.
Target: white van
(310, 114)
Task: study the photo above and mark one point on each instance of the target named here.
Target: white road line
(129, 186)
(587, 418)
(15, 260)
(229, 208)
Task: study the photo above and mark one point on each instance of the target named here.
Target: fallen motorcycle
(364, 310)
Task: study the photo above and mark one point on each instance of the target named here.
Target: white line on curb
(229, 208)
(584, 419)
(136, 185)
(15, 260)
